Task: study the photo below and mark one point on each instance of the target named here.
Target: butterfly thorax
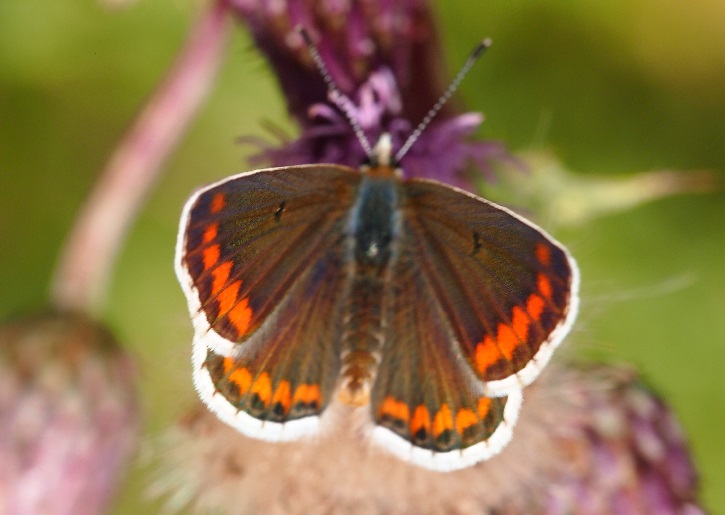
(372, 232)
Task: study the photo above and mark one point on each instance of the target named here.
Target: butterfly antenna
(337, 96)
(477, 52)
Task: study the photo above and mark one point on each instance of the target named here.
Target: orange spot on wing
(507, 340)
(237, 310)
(282, 395)
(395, 409)
(442, 421)
(520, 323)
(420, 420)
(484, 406)
(228, 364)
(486, 354)
(220, 276)
(263, 388)
(210, 233)
(210, 256)
(543, 254)
(465, 419)
(239, 376)
(544, 285)
(227, 298)
(307, 394)
(535, 306)
(217, 203)
(241, 316)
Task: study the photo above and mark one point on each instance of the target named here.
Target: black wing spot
(476, 243)
(278, 212)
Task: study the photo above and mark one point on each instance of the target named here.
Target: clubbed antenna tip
(482, 46)
(305, 35)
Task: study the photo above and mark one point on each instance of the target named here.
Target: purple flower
(385, 59)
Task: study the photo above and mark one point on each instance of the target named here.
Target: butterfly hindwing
(276, 385)
(430, 406)
(244, 241)
(506, 290)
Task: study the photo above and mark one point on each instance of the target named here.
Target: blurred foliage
(609, 87)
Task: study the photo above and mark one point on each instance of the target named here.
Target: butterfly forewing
(505, 289)
(247, 239)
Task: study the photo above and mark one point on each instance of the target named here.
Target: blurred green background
(611, 87)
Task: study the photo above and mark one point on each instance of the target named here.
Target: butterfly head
(381, 162)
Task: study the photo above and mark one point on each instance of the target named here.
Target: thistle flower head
(384, 57)
(589, 440)
(68, 412)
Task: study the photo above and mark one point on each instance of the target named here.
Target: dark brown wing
(278, 383)
(262, 260)
(429, 405)
(507, 292)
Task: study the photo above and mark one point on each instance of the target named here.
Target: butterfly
(422, 306)
(426, 305)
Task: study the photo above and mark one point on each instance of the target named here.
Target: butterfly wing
(429, 406)
(507, 291)
(262, 259)
(478, 298)
(245, 240)
(279, 382)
